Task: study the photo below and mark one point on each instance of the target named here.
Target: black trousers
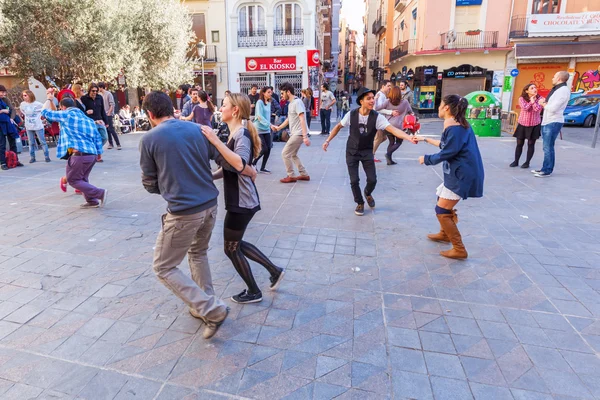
(325, 121)
(368, 163)
(266, 140)
(111, 131)
(12, 146)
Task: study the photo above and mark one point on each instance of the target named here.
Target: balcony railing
(256, 38)
(211, 53)
(378, 25)
(518, 27)
(404, 48)
(288, 37)
(373, 64)
(400, 5)
(469, 40)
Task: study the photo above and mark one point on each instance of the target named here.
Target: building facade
(268, 42)
(451, 47)
(371, 44)
(328, 38)
(551, 36)
(208, 23)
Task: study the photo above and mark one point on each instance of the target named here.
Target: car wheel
(590, 121)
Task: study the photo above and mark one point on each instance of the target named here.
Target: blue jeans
(32, 145)
(549, 134)
(325, 121)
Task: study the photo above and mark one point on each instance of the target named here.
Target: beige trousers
(379, 138)
(290, 156)
(188, 234)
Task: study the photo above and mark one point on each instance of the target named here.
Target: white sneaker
(541, 175)
(536, 171)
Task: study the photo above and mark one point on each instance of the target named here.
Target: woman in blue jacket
(7, 130)
(463, 171)
(262, 115)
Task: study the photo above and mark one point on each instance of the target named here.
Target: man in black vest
(364, 123)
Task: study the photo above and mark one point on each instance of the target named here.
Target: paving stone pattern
(368, 309)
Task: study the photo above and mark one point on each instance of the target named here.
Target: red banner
(313, 58)
(287, 63)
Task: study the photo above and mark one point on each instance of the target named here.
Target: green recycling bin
(484, 113)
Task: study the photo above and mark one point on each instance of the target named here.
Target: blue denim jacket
(462, 164)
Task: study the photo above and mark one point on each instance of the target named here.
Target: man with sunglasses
(94, 106)
(364, 123)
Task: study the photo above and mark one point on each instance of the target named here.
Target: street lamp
(201, 47)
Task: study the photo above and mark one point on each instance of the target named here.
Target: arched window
(251, 26)
(288, 18)
(252, 20)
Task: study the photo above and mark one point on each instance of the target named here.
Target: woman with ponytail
(462, 167)
(203, 113)
(241, 196)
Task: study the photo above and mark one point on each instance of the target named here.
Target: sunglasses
(93, 91)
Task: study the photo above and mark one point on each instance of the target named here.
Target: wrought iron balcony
(476, 39)
(211, 53)
(518, 27)
(373, 64)
(404, 48)
(288, 37)
(400, 5)
(378, 25)
(256, 38)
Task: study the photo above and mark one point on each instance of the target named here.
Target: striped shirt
(77, 132)
(530, 112)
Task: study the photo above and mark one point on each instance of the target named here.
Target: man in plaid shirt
(79, 143)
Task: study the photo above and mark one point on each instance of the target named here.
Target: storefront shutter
(463, 86)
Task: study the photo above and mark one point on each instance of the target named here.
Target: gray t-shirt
(109, 101)
(326, 99)
(295, 108)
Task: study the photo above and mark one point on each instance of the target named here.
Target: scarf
(554, 89)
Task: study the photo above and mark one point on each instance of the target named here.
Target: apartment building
(268, 42)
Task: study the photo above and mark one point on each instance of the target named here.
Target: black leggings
(519, 149)
(266, 141)
(393, 144)
(237, 250)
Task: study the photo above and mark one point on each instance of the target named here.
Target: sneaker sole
(359, 214)
(217, 325)
(278, 282)
(246, 302)
(103, 201)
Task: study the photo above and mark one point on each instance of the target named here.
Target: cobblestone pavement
(368, 309)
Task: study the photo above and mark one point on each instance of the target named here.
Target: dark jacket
(275, 110)
(96, 105)
(463, 168)
(6, 126)
(359, 142)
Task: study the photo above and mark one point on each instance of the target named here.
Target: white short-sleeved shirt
(381, 124)
(326, 99)
(33, 115)
(295, 108)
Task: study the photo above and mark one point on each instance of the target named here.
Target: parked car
(582, 110)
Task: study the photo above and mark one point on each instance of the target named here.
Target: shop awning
(557, 50)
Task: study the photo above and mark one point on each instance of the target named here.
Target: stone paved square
(367, 310)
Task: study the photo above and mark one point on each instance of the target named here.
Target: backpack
(11, 159)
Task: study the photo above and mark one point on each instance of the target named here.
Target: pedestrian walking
(553, 120)
(380, 99)
(263, 123)
(8, 131)
(32, 114)
(241, 196)
(254, 97)
(109, 109)
(462, 167)
(308, 105)
(395, 108)
(298, 134)
(203, 113)
(529, 125)
(407, 93)
(327, 101)
(80, 143)
(175, 161)
(364, 122)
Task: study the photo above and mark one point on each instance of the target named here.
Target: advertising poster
(427, 97)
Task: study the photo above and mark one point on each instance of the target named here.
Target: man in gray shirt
(109, 108)
(298, 134)
(175, 160)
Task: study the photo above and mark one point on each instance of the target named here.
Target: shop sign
(428, 71)
(410, 74)
(468, 3)
(287, 63)
(586, 23)
(313, 58)
(465, 71)
(507, 87)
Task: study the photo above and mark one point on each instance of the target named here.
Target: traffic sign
(514, 73)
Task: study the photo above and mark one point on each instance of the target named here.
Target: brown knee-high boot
(449, 227)
(441, 235)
